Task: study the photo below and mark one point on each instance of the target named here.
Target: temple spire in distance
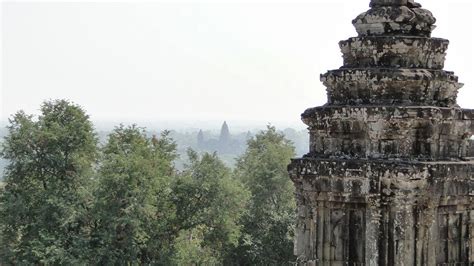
(224, 137)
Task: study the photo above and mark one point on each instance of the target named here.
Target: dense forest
(70, 199)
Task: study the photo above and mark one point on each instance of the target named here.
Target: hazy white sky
(197, 61)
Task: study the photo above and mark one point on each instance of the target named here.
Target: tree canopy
(45, 196)
(66, 200)
(268, 224)
(132, 200)
(210, 203)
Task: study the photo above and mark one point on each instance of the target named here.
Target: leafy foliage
(209, 205)
(65, 201)
(268, 225)
(132, 206)
(190, 249)
(46, 194)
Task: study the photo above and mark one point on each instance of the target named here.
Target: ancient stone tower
(388, 179)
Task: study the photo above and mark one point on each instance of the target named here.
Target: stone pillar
(374, 220)
(470, 151)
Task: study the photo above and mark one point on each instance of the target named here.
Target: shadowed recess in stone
(389, 179)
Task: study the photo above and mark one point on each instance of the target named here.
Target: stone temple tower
(388, 179)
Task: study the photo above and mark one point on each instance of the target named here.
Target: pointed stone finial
(408, 3)
(395, 17)
(374, 3)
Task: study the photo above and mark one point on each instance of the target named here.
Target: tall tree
(45, 198)
(209, 206)
(133, 207)
(268, 226)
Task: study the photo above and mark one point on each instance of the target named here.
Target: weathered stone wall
(365, 212)
(381, 86)
(411, 52)
(389, 132)
(471, 148)
(389, 176)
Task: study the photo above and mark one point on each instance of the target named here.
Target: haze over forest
(185, 67)
(215, 89)
(188, 62)
(228, 143)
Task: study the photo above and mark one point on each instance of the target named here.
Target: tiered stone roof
(391, 98)
(389, 179)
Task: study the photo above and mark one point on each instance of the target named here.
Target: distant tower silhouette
(225, 134)
(200, 139)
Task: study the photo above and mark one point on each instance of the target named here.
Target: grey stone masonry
(389, 178)
(471, 148)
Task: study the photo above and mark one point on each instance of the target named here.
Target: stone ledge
(315, 115)
(386, 86)
(361, 178)
(394, 52)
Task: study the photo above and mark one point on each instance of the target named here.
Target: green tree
(133, 207)
(44, 203)
(191, 249)
(209, 204)
(269, 224)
